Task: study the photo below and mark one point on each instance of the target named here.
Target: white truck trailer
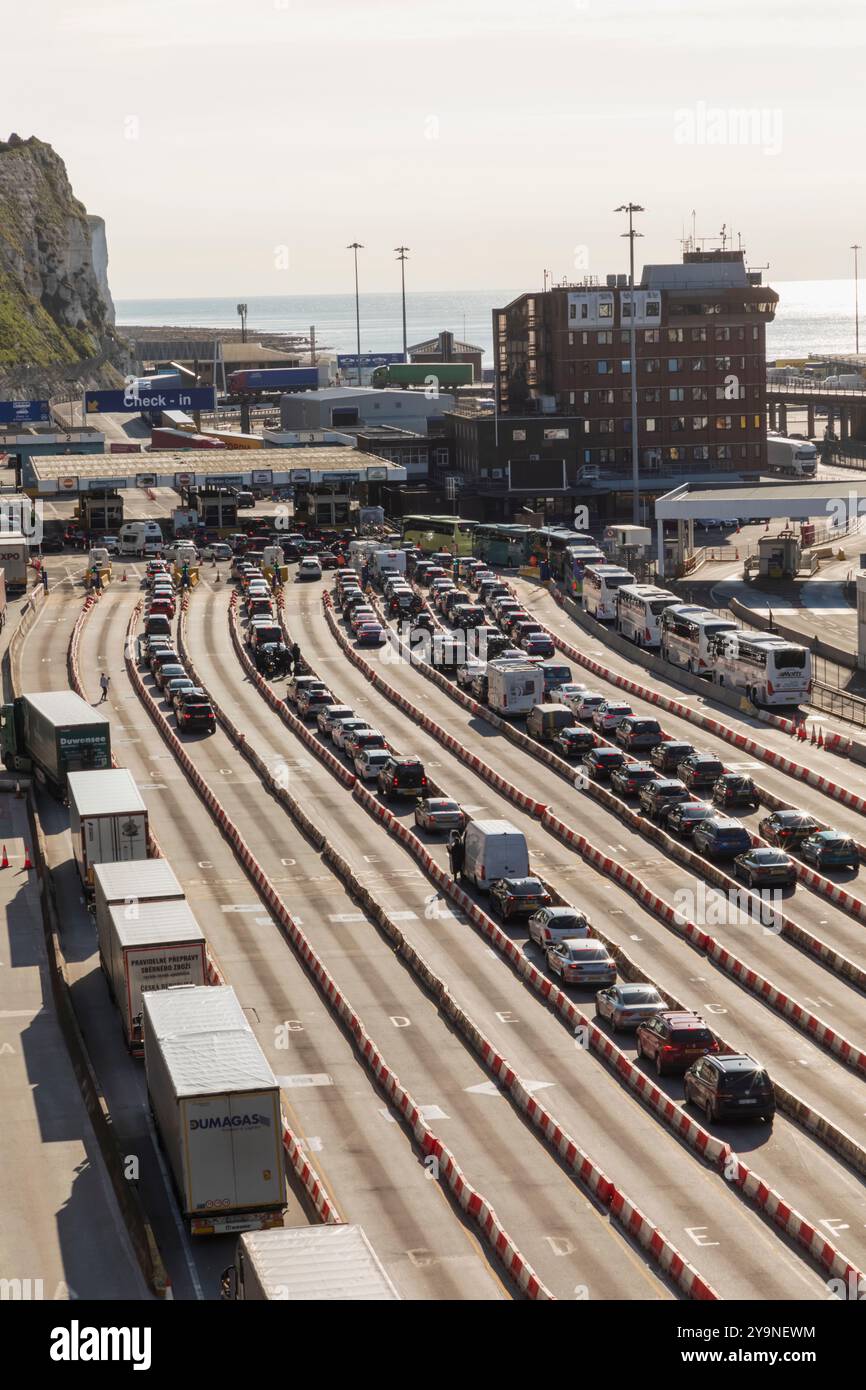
(131, 884)
(158, 946)
(791, 458)
(307, 1263)
(513, 687)
(108, 819)
(216, 1103)
(14, 559)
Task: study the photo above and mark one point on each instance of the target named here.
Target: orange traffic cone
(124, 576)
(812, 739)
(4, 862)
(28, 862)
(820, 738)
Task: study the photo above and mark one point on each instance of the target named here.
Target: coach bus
(766, 668)
(552, 543)
(579, 557)
(502, 544)
(638, 610)
(432, 533)
(686, 633)
(600, 586)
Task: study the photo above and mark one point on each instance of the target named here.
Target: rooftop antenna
(724, 234)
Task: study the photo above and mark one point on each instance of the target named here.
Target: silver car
(625, 1006)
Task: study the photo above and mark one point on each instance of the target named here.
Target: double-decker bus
(638, 610)
(766, 668)
(502, 544)
(686, 633)
(600, 586)
(431, 533)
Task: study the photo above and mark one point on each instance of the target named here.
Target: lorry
(493, 849)
(146, 946)
(129, 884)
(435, 374)
(216, 1104)
(161, 438)
(383, 561)
(140, 538)
(791, 458)
(14, 558)
(307, 1263)
(51, 734)
(513, 687)
(108, 819)
(279, 379)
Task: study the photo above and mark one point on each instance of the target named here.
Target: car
(730, 1087)
(311, 700)
(165, 606)
(272, 659)
(609, 715)
(735, 789)
(763, 864)
(468, 670)
(193, 710)
(700, 770)
(537, 644)
(523, 628)
(573, 741)
(361, 739)
(328, 560)
(511, 654)
(298, 683)
(260, 608)
(368, 762)
(673, 1039)
(586, 705)
(480, 686)
(668, 755)
(830, 849)
(175, 685)
(217, 550)
(511, 621)
(628, 1005)
(264, 632)
(787, 829)
(684, 816)
(657, 797)
(402, 776)
(557, 923)
(628, 779)
(361, 617)
(556, 674)
(517, 897)
(167, 672)
(109, 543)
(161, 656)
(721, 837)
(582, 961)
(568, 693)
(601, 762)
(308, 568)
(634, 732)
(342, 728)
(370, 635)
(438, 813)
(328, 716)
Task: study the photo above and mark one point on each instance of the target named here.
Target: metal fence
(839, 703)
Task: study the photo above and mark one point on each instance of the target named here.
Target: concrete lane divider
(448, 1170)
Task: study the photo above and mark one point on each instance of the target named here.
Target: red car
(674, 1040)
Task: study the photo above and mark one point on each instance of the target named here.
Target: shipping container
(320, 1264)
(216, 1103)
(52, 734)
(108, 819)
(147, 946)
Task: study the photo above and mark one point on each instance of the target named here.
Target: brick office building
(701, 365)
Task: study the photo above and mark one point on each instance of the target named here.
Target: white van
(494, 849)
(140, 538)
(513, 687)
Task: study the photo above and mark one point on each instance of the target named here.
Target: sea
(813, 317)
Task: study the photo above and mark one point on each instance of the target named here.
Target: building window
(673, 364)
(571, 340)
(743, 422)
(625, 366)
(441, 458)
(723, 451)
(604, 339)
(652, 395)
(518, 436)
(605, 309)
(699, 393)
(678, 423)
(585, 339)
(652, 364)
(625, 308)
(723, 422)
(676, 393)
(625, 337)
(723, 364)
(699, 364)
(556, 434)
(723, 335)
(699, 335)
(601, 367)
(675, 335)
(651, 335)
(700, 453)
(756, 422)
(700, 422)
(653, 309)
(649, 425)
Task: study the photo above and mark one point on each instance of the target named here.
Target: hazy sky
(235, 148)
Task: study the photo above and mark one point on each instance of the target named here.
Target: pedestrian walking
(104, 683)
(44, 580)
(295, 653)
(456, 853)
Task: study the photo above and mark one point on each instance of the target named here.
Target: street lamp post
(632, 208)
(401, 257)
(356, 246)
(242, 310)
(855, 248)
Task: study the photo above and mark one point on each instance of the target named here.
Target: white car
(586, 705)
(309, 568)
(549, 925)
(344, 727)
(569, 694)
(218, 551)
(610, 714)
(369, 761)
(111, 544)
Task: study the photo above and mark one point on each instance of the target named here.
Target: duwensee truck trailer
(53, 734)
(216, 1103)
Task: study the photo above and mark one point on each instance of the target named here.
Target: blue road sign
(23, 412)
(166, 398)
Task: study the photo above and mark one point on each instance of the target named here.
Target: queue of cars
(190, 705)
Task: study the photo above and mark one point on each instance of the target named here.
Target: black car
(730, 1087)
(636, 732)
(684, 816)
(601, 762)
(402, 776)
(787, 829)
(760, 866)
(667, 756)
(193, 710)
(735, 789)
(518, 897)
(700, 770)
(660, 795)
(272, 659)
(631, 777)
(573, 741)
